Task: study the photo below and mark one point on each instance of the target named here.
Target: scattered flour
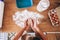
(20, 17)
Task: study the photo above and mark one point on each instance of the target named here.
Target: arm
(37, 30)
(21, 32)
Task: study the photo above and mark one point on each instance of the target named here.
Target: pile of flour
(20, 17)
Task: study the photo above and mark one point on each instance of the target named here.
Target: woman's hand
(19, 34)
(37, 30)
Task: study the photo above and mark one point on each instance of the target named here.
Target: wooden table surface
(10, 26)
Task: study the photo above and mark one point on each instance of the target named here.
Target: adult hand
(37, 30)
(19, 34)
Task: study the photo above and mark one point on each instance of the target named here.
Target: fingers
(35, 22)
(28, 24)
(37, 30)
(19, 34)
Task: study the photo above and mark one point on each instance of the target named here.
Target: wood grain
(10, 26)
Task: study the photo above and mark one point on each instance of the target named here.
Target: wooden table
(10, 26)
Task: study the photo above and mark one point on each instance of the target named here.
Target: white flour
(21, 17)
